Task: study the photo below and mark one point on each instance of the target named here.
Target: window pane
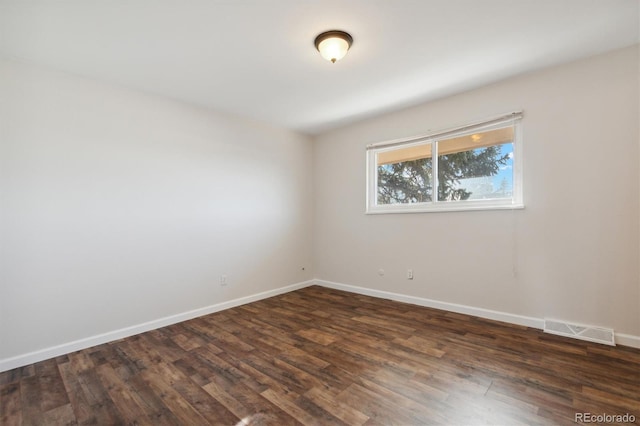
(476, 167)
(405, 175)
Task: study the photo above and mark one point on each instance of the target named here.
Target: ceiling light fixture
(333, 45)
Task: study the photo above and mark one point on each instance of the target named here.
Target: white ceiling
(256, 58)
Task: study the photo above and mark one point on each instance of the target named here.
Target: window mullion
(434, 172)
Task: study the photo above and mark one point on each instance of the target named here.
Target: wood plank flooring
(324, 357)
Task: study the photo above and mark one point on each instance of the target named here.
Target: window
(473, 167)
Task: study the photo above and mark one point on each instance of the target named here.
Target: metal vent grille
(582, 332)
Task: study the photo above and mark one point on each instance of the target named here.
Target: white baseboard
(627, 340)
(445, 306)
(65, 348)
(620, 338)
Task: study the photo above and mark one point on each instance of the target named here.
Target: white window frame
(515, 202)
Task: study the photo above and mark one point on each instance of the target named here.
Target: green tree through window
(412, 182)
(405, 182)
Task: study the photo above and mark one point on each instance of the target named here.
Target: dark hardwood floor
(321, 356)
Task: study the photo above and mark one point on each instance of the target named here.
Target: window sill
(443, 207)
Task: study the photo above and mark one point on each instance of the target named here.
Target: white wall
(571, 254)
(118, 208)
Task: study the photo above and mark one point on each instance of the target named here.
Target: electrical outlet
(224, 280)
(409, 274)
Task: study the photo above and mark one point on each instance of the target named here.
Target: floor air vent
(582, 332)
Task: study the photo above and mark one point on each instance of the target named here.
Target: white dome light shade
(333, 49)
(333, 45)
